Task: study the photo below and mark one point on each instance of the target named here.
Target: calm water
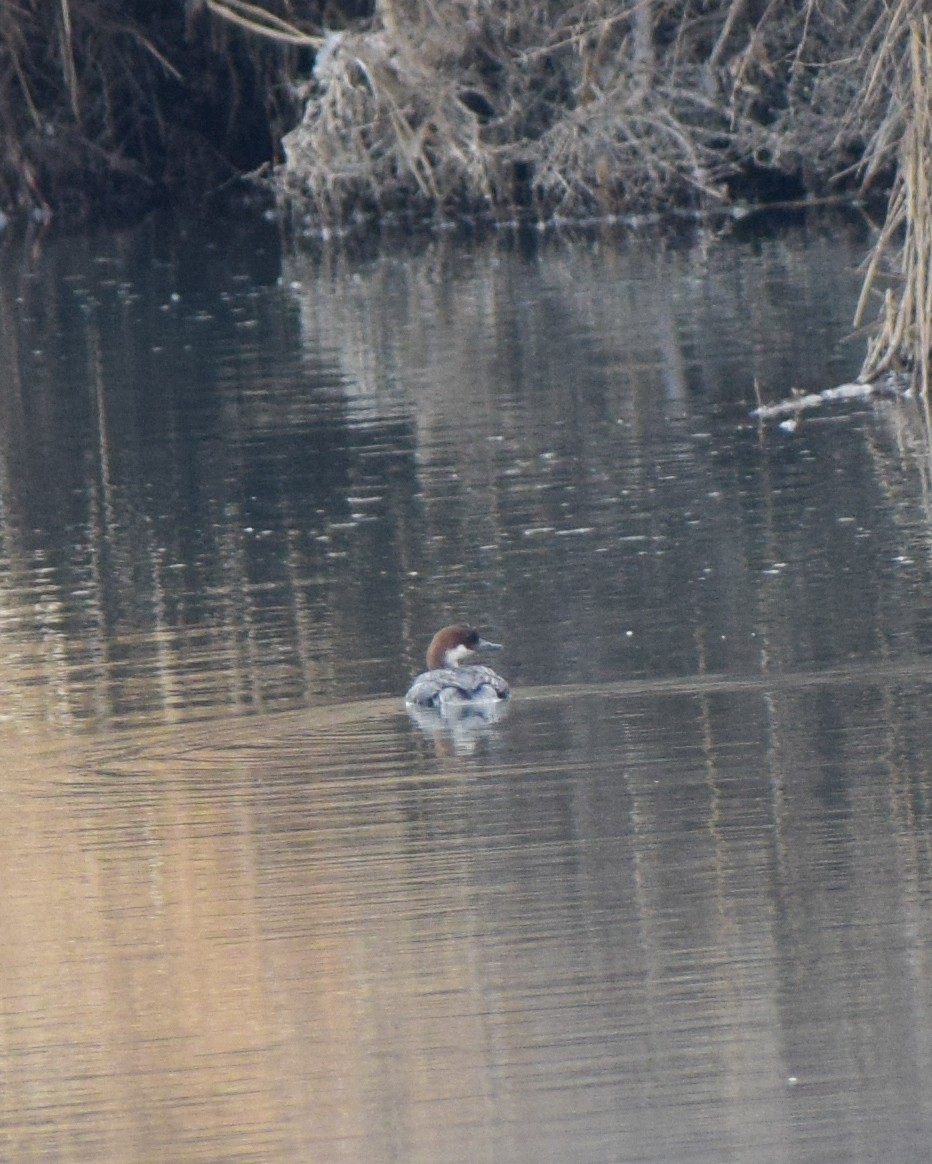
(674, 906)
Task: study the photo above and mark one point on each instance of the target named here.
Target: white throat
(453, 656)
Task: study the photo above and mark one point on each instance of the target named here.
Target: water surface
(674, 905)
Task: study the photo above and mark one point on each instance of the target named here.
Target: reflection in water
(673, 906)
(458, 725)
(657, 926)
(225, 489)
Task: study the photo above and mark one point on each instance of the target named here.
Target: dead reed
(903, 251)
(543, 108)
(554, 108)
(108, 105)
(585, 108)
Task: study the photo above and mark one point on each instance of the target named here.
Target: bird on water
(447, 682)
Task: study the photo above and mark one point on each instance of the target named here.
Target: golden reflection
(280, 935)
(613, 924)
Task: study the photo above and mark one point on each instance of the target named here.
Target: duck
(446, 682)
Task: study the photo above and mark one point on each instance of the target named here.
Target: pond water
(674, 905)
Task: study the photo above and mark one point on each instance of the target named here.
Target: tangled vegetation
(549, 109)
(110, 106)
(598, 106)
(903, 252)
(554, 108)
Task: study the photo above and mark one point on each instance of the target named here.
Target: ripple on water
(622, 918)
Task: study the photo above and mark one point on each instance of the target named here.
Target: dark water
(674, 906)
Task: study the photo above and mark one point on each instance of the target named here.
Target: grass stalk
(903, 251)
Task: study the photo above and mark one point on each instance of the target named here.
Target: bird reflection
(457, 729)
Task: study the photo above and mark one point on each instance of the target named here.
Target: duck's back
(457, 685)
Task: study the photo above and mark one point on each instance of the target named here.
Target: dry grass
(903, 339)
(386, 124)
(554, 107)
(599, 107)
(581, 108)
(546, 108)
(112, 102)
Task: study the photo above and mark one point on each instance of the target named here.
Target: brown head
(451, 645)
